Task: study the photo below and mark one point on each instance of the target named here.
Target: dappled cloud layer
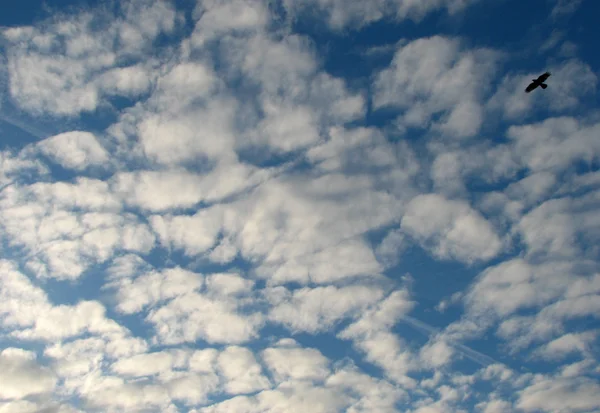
(218, 225)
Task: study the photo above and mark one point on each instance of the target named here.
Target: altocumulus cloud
(261, 206)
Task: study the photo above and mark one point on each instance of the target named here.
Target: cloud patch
(436, 76)
(450, 229)
(75, 150)
(22, 376)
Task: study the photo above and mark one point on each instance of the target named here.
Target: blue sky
(299, 206)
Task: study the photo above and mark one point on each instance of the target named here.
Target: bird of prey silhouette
(538, 82)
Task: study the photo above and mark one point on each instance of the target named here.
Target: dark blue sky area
(512, 25)
(519, 28)
(24, 12)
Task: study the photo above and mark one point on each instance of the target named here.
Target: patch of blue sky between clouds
(324, 206)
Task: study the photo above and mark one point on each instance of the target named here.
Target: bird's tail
(544, 86)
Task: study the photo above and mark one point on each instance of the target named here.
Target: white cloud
(21, 376)
(195, 234)
(61, 240)
(565, 7)
(549, 229)
(383, 316)
(562, 227)
(76, 359)
(163, 190)
(340, 15)
(67, 321)
(216, 18)
(318, 309)
(75, 150)
(280, 67)
(345, 390)
(203, 361)
(225, 284)
(451, 171)
(120, 345)
(248, 225)
(495, 406)
(135, 294)
(296, 101)
(589, 180)
(144, 20)
(391, 247)
(297, 124)
(300, 397)
(204, 131)
(569, 84)
(371, 334)
(183, 311)
(548, 213)
(306, 238)
(498, 372)
(241, 371)
(533, 188)
(304, 382)
(130, 81)
(127, 265)
(437, 353)
(366, 393)
(113, 394)
(27, 314)
(450, 229)
(14, 166)
(560, 395)
(144, 364)
(436, 75)
(84, 193)
(193, 388)
(25, 406)
(520, 332)
(21, 300)
(330, 96)
(580, 300)
(296, 363)
(556, 143)
(38, 89)
(534, 304)
(390, 353)
(568, 344)
(357, 149)
(65, 66)
(579, 369)
(183, 85)
(348, 259)
(515, 284)
(193, 316)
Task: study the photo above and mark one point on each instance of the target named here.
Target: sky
(285, 206)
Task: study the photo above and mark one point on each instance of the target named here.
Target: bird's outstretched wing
(543, 77)
(538, 82)
(531, 86)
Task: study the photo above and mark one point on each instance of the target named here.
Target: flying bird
(538, 82)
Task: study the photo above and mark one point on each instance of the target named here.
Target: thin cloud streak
(434, 332)
(33, 131)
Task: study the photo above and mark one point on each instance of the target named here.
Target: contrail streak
(468, 352)
(22, 125)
